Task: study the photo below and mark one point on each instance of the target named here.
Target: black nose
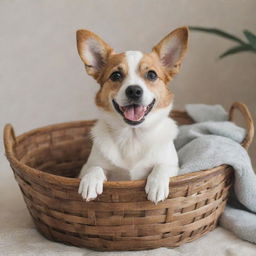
(134, 92)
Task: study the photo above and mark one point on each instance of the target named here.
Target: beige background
(43, 80)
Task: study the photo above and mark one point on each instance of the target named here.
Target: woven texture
(46, 160)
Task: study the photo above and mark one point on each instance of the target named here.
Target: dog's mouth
(133, 114)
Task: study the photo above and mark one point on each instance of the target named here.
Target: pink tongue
(134, 113)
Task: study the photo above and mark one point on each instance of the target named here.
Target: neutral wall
(43, 80)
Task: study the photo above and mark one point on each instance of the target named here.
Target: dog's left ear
(171, 49)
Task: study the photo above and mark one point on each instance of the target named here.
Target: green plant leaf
(251, 38)
(218, 32)
(236, 49)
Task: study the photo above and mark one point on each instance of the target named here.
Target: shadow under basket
(46, 160)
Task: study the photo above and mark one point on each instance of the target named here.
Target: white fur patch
(133, 59)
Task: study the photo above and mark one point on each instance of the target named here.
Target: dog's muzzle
(134, 113)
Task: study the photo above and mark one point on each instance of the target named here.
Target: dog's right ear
(93, 51)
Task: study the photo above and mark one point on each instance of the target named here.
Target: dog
(133, 137)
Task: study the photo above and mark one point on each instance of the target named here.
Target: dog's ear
(93, 51)
(171, 49)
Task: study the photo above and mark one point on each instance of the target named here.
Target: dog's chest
(129, 153)
(133, 159)
(132, 147)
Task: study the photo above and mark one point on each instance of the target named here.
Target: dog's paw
(91, 184)
(157, 188)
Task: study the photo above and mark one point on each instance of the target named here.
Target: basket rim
(74, 182)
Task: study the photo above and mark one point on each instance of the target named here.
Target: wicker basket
(44, 161)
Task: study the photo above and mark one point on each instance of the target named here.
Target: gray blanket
(213, 141)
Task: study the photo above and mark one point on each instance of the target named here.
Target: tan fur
(109, 88)
(159, 87)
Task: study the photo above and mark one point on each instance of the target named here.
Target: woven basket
(45, 160)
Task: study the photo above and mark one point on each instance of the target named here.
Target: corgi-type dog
(133, 137)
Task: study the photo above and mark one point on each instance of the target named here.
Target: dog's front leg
(91, 184)
(157, 187)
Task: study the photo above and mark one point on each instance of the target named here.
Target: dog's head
(133, 85)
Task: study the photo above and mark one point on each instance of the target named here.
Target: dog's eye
(116, 76)
(151, 75)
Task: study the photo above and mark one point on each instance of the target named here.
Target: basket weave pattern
(121, 218)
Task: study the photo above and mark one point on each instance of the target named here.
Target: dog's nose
(134, 92)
